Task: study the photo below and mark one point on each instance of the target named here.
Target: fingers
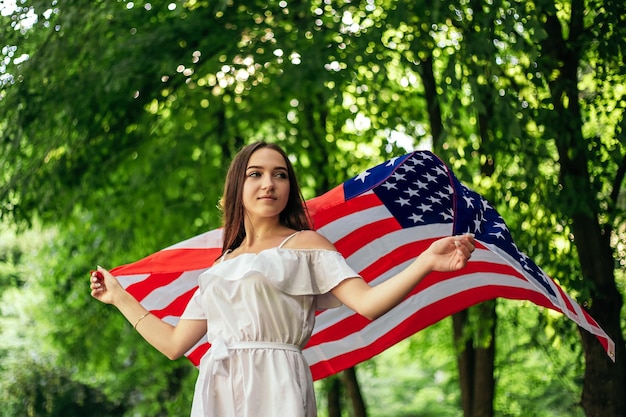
(467, 240)
(451, 253)
(464, 245)
(103, 271)
(96, 281)
(97, 275)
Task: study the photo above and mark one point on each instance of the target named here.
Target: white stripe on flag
(385, 324)
(337, 229)
(207, 240)
(163, 296)
(127, 280)
(578, 315)
(373, 250)
(329, 318)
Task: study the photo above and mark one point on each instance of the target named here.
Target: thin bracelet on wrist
(139, 319)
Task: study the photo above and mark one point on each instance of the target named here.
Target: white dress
(260, 312)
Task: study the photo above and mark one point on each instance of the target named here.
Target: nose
(268, 182)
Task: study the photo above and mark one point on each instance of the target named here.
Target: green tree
(32, 384)
(117, 118)
(516, 95)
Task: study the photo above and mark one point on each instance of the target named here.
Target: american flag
(380, 220)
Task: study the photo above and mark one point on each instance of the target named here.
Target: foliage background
(118, 118)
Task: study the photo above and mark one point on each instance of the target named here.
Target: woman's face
(266, 187)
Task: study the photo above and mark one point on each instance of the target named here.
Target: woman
(257, 303)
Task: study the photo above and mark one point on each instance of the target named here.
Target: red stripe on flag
(351, 324)
(195, 355)
(397, 256)
(317, 206)
(337, 211)
(141, 289)
(423, 318)
(171, 260)
(176, 307)
(566, 300)
(354, 322)
(354, 241)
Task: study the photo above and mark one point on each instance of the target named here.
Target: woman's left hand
(450, 253)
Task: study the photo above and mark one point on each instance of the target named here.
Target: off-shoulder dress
(260, 312)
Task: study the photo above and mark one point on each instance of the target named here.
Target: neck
(259, 232)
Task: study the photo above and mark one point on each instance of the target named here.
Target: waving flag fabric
(380, 221)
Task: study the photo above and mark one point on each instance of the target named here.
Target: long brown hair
(293, 216)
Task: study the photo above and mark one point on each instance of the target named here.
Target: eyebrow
(279, 168)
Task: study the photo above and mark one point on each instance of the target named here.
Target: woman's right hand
(104, 286)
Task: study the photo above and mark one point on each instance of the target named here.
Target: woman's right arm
(172, 341)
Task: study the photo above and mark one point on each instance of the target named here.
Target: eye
(281, 174)
(254, 174)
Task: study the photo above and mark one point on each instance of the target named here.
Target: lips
(267, 197)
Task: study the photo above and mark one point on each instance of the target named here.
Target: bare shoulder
(309, 239)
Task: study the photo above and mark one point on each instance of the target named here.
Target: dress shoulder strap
(287, 238)
(223, 257)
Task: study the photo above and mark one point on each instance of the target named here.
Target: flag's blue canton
(369, 179)
(475, 215)
(417, 190)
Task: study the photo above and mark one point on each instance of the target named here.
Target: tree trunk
(604, 382)
(344, 386)
(476, 360)
(432, 100)
(354, 392)
(333, 396)
(475, 357)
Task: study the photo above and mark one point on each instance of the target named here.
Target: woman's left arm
(443, 255)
